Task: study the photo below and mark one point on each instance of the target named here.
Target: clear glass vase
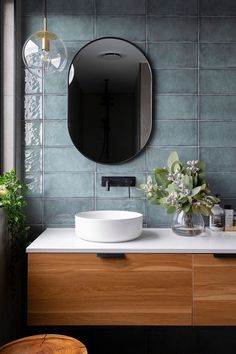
(187, 224)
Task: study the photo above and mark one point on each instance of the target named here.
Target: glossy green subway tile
(170, 7)
(141, 45)
(132, 204)
(218, 7)
(33, 211)
(157, 156)
(219, 159)
(73, 47)
(175, 107)
(34, 183)
(127, 27)
(175, 81)
(222, 183)
(32, 133)
(70, 6)
(217, 107)
(217, 29)
(33, 107)
(32, 161)
(218, 55)
(172, 55)
(157, 216)
(72, 27)
(57, 214)
(121, 7)
(66, 159)
(174, 133)
(55, 106)
(69, 184)
(56, 133)
(218, 81)
(217, 134)
(136, 164)
(56, 84)
(171, 29)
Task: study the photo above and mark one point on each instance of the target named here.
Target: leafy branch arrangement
(180, 187)
(12, 199)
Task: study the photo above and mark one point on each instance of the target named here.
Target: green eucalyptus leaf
(161, 170)
(176, 166)
(171, 209)
(171, 188)
(186, 207)
(163, 200)
(195, 209)
(190, 199)
(172, 159)
(196, 190)
(204, 211)
(161, 175)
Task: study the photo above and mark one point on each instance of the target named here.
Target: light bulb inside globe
(43, 52)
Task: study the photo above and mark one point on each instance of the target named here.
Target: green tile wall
(192, 50)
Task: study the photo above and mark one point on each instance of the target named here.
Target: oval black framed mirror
(110, 100)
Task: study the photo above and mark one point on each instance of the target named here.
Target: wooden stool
(44, 344)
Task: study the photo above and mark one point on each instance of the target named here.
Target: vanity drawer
(83, 289)
(214, 291)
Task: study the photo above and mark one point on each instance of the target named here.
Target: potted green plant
(12, 203)
(182, 190)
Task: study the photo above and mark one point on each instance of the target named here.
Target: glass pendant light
(43, 52)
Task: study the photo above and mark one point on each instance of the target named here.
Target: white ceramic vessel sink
(108, 225)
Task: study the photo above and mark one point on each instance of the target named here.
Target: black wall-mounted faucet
(107, 185)
(118, 181)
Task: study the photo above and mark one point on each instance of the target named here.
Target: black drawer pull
(225, 255)
(111, 255)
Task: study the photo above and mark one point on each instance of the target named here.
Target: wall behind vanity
(192, 48)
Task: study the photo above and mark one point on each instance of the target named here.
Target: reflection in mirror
(110, 100)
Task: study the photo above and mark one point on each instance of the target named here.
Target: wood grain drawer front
(82, 289)
(214, 290)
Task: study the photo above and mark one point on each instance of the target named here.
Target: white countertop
(158, 240)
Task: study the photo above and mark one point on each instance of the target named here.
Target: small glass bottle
(229, 216)
(217, 218)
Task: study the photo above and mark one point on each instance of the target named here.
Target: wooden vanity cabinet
(214, 291)
(83, 289)
(139, 289)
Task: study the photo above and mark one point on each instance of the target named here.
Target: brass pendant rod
(45, 24)
(45, 40)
